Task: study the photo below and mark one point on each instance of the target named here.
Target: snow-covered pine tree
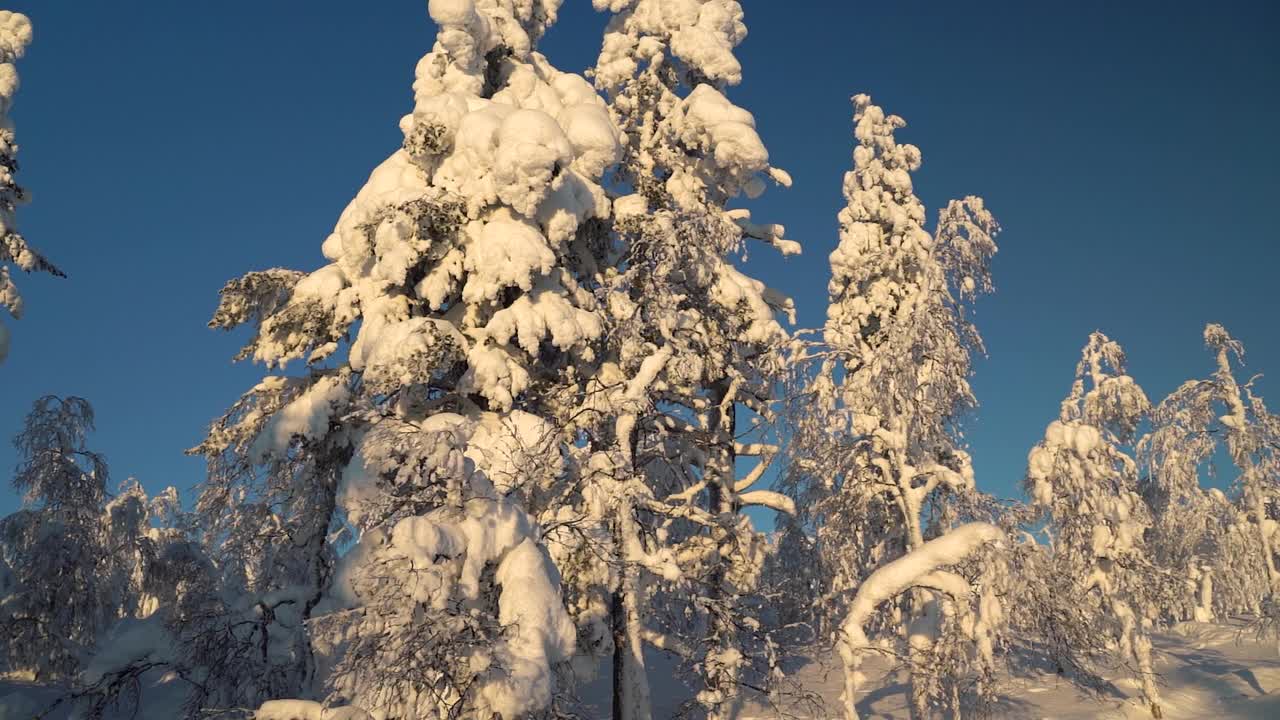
(1082, 477)
(462, 275)
(15, 35)
(697, 338)
(877, 436)
(1200, 533)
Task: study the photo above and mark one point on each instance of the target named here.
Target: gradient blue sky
(1128, 148)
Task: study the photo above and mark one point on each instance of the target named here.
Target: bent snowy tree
(1225, 545)
(922, 568)
(1081, 475)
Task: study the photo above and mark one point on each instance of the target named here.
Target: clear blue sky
(1128, 148)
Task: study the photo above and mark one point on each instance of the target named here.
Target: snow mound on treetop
(701, 33)
(484, 199)
(15, 35)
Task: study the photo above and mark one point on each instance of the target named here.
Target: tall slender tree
(699, 336)
(877, 437)
(15, 35)
(1081, 475)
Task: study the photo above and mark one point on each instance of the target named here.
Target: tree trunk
(922, 629)
(1260, 517)
(1135, 645)
(320, 569)
(630, 681)
(721, 673)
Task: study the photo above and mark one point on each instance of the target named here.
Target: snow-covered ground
(1206, 671)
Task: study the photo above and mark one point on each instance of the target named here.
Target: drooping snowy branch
(1201, 533)
(921, 567)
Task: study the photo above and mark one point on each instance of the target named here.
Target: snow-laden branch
(770, 499)
(753, 476)
(919, 568)
(768, 233)
(635, 393)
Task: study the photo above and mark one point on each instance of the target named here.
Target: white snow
(540, 633)
(544, 635)
(514, 448)
(452, 12)
(307, 710)
(307, 416)
(504, 252)
(1206, 671)
(541, 314)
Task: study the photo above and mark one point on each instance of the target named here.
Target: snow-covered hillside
(1204, 670)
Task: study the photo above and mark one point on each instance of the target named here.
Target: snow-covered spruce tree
(15, 35)
(463, 274)
(877, 436)
(691, 351)
(1081, 476)
(1199, 533)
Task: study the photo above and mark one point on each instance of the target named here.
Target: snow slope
(1219, 671)
(1206, 671)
